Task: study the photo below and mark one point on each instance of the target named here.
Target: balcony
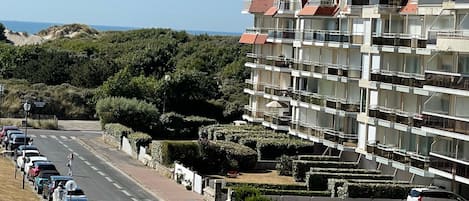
(401, 156)
(370, 148)
(398, 78)
(383, 150)
(326, 36)
(349, 140)
(396, 116)
(447, 80)
(281, 34)
(449, 40)
(352, 72)
(253, 115)
(278, 61)
(419, 161)
(287, 6)
(276, 91)
(324, 101)
(444, 123)
(399, 40)
(307, 129)
(255, 86)
(448, 164)
(277, 120)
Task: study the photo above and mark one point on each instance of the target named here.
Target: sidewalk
(161, 187)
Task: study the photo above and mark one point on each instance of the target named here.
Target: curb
(102, 158)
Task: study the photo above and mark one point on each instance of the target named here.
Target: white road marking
(87, 163)
(66, 146)
(101, 173)
(117, 186)
(31, 135)
(71, 150)
(126, 193)
(53, 136)
(94, 168)
(43, 136)
(109, 179)
(134, 199)
(63, 137)
(81, 158)
(73, 137)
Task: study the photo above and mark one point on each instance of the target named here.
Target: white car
(33, 159)
(432, 194)
(25, 155)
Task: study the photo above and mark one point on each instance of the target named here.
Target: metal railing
(396, 115)
(399, 78)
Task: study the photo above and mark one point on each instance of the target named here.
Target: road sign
(71, 185)
(39, 103)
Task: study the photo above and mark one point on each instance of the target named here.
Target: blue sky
(207, 15)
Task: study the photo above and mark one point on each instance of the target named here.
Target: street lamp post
(27, 108)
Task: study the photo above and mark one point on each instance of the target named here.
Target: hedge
(285, 165)
(271, 149)
(318, 158)
(224, 156)
(335, 184)
(345, 170)
(166, 152)
(318, 180)
(243, 192)
(139, 139)
(117, 130)
(180, 127)
(370, 190)
(210, 131)
(295, 192)
(301, 167)
(268, 186)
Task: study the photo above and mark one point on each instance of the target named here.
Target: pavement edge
(102, 158)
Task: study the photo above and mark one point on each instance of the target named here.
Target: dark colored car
(4, 130)
(49, 187)
(38, 167)
(16, 140)
(6, 138)
(42, 178)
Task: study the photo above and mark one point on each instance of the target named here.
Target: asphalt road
(98, 180)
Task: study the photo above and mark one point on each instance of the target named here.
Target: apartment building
(384, 79)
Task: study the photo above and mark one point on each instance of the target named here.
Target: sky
(196, 15)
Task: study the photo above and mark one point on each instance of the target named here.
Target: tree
(2, 33)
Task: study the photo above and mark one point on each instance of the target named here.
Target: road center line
(94, 168)
(126, 193)
(109, 179)
(117, 186)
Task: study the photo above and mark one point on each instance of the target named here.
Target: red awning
(318, 11)
(261, 39)
(271, 12)
(260, 6)
(410, 8)
(248, 38)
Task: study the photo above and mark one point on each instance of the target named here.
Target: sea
(35, 27)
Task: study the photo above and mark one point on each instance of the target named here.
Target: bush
(301, 167)
(166, 152)
(370, 190)
(117, 130)
(139, 139)
(257, 198)
(271, 149)
(136, 114)
(179, 127)
(243, 192)
(285, 166)
(220, 156)
(318, 180)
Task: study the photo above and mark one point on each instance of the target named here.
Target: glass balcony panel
(438, 103)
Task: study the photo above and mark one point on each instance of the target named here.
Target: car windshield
(32, 154)
(76, 192)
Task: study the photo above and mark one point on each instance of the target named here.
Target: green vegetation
(166, 152)
(2, 35)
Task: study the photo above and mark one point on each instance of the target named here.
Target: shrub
(177, 126)
(257, 198)
(117, 130)
(371, 190)
(285, 166)
(220, 156)
(139, 139)
(243, 192)
(318, 180)
(301, 167)
(136, 114)
(166, 152)
(270, 149)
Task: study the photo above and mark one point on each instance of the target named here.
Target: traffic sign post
(69, 164)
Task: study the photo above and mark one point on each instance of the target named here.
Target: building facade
(384, 79)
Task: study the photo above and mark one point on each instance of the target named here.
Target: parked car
(7, 137)
(38, 167)
(20, 149)
(49, 187)
(76, 195)
(4, 130)
(432, 194)
(43, 177)
(16, 140)
(32, 160)
(20, 161)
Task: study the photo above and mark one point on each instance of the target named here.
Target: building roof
(260, 6)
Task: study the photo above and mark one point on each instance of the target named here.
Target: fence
(188, 178)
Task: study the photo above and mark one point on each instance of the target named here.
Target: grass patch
(11, 187)
(51, 124)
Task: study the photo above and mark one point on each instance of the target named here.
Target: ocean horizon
(35, 27)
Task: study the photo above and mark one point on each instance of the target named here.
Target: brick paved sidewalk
(161, 187)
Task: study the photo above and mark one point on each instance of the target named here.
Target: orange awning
(318, 11)
(271, 12)
(261, 39)
(308, 10)
(248, 38)
(410, 8)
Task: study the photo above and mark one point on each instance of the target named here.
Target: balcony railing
(401, 156)
(447, 81)
(277, 119)
(446, 165)
(398, 78)
(385, 151)
(419, 161)
(281, 34)
(326, 36)
(287, 5)
(325, 101)
(353, 72)
(322, 3)
(252, 112)
(394, 115)
(399, 39)
(308, 129)
(340, 137)
(446, 124)
(255, 86)
(278, 61)
(277, 91)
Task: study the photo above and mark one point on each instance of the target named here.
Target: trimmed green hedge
(345, 170)
(166, 152)
(117, 130)
(370, 190)
(335, 184)
(180, 127)
(268, 186)
(139, 139)
(318, 180)
(318, 158)
(224, 156)
(295, 192)
(271, 149)
(301, 167)
(285, 165)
